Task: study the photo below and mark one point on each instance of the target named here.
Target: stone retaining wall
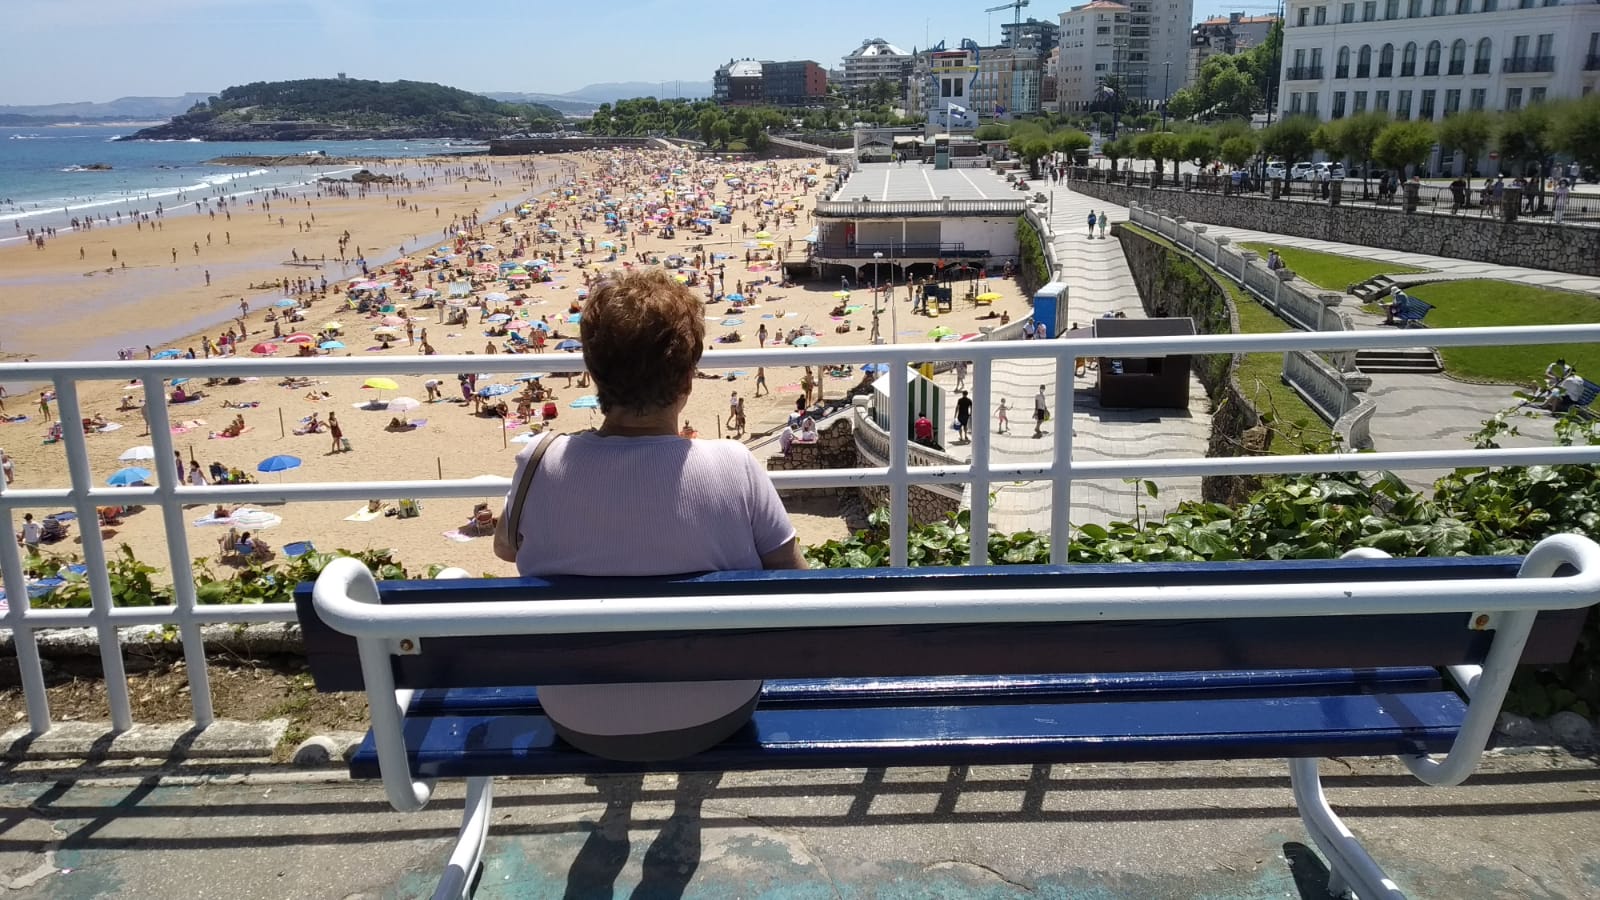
(1563, 249)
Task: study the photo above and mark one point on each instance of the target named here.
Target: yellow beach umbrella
(381, 384)
(332, 326)
(989, 295)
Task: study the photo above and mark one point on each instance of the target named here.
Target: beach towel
(12, 420)
(209, 519)
(181, 429)
(362, 514)
(457, 536)
(219, 436)
(109, 427)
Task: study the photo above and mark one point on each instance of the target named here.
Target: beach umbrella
(332, 345)
(588, 401)
(177, 381)
(286, 303)
(569, 344)
(804, 340)
(279, 463)
(332, 326)
(529, 376)
(542, 326)
(299, 337)
(427, 292)
(128, 477)
(940, 332)
(874, 368)
(496, 297)
(134, 454)
(842, 295)
(498, 318)
(763, 235)
(575, 318)
(495, 390)
(256, 519)
(404, 404)
(168, 354)
(735, 298)
(732, 320)
(393, 320)
(264, 349)
(381, 384)
(607, 245)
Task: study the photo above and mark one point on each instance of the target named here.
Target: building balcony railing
(1592, 63)
(1481, 67)
(898, 251)
(1303, 73)
(851, 209)
(1528, 64)
(1062, 469)
(1341, 71)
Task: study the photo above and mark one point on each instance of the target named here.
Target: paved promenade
(1523, 827)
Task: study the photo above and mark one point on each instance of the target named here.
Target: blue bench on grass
(961, 666)
(1406, 310)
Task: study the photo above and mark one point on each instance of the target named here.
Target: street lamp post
(1166, 87)
(877, 257)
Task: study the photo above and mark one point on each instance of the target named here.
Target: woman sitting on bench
(698, 506)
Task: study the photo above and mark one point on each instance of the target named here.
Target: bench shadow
(1308, 870)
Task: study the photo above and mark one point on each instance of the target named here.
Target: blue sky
(71, 50)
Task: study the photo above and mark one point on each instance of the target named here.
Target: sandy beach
(61, 304)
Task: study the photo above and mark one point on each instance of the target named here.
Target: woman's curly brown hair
(643, 334)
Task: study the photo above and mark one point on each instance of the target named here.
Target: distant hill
(349, 108)
(612, 91)
(554, 101)
(146, 108)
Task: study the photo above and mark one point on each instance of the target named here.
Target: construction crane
(1016, 16)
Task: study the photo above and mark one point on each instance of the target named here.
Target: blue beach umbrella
(168, 354)
(569, 345)
(874, 368)
(495, 390)
(735, 298)
(129, 476)
(499, 318)
(286, 303)
(331, 345)
(278, 464)
(575, 318)
(178, 381)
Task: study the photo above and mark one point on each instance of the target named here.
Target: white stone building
(1426, 59)
(1094, 46)
(875, 60)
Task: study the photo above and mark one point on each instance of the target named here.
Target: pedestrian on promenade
(1091, 224)
(964, 418)
(1041, 412)
(961, 374)
(1105, 219)
(1563, 196)
(1002, 421)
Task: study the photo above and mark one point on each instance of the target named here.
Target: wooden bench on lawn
(962, 666)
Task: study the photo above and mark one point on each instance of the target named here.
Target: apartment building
(1427, 59)
(1094, 46)
(875, 60)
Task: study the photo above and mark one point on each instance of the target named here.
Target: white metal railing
(1060, 467)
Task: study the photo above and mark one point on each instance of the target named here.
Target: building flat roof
(918, 181)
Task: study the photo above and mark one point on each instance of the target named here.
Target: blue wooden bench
(1585, 402)
(961, 666)
(1407, 310)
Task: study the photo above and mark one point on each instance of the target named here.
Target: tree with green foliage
(1069, 141)
(1525, 134)
(1200, 146)
(1468, 132)
(1116, 150)
(1402, 144)
(1351, 139)
(992, 131)
(1576, 131)
(1237, 151)
(1290, 140)
(1183, 104)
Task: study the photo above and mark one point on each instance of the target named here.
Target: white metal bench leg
(465, 860)
(1350, 867)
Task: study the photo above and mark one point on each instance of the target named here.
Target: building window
(1544, 58)
(1481, 63)
(1413, 8)
(1294, 103)
(1311, 102)
(1361, 103)
(1535, 95)
(1386, 61)
(1425, 108)
(1300, 17)
(1477, 99)
(1431, 65)
(1402, 105)
(1490, 5)
(1463, 7)
(1338, 105)
(1347, 13)
(1438, 7)
(1364, 62)
(1320, 17)
(1513, 98)
(1342, 68)
(1369, 10)
(1380, 101)
(1408, 60)
(1391, 9)
(1458, 57)
(1452, 102)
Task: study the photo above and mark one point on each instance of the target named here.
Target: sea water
(45, 182)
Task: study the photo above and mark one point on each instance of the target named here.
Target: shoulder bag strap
(514, 527)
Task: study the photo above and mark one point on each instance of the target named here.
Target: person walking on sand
(761, 380)
(1002, 421)
(1041, 412)
(336, 433)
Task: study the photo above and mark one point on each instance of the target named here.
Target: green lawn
(1330, 270)
(1464, 304)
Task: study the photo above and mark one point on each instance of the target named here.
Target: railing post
(1061, 463)
(183, 592)
(94, 551)
(978, 513)
(899, 459)
(29, 666)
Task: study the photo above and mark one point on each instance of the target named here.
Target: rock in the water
(1571, 728)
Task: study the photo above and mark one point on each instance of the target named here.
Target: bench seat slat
(1024, 733)
(1197, 686)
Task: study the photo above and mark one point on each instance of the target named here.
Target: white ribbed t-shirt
(635, 506)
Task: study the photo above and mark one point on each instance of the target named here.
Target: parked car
(1275, 169)
(1335, 171)
(1301, 171)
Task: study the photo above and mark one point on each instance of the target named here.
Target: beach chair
(406, 508)
(228, 545)
(52, 529)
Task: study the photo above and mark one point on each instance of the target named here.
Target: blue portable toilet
(1050, 309)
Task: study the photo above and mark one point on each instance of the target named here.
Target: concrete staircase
(1373, 289)
(1411, 360)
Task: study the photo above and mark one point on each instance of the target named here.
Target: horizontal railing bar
(133, 616)
(1061, 347)
(497, 485)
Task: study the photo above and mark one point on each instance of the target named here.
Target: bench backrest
(1590, 392)
(1225, 644)
(1408, 307)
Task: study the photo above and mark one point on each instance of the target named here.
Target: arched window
(1458, 57)
(1342, 67)
(1386, 61)
(1480, 65)
(1463, 7)
(1430, 65)
(1408, 60)
(1364, 62)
